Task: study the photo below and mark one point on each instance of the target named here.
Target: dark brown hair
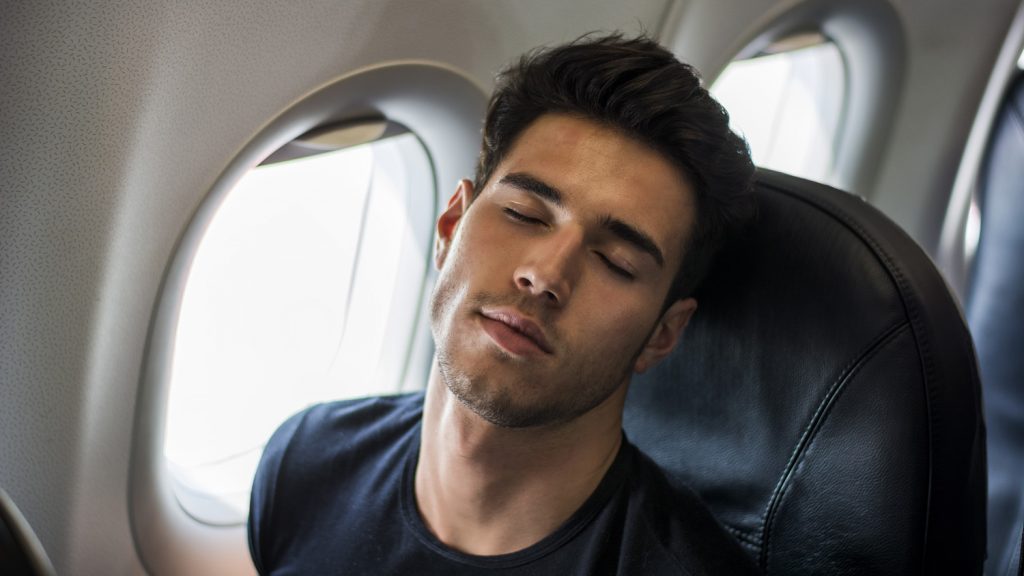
(639, 88)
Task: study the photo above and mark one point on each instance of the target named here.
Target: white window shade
(305, 288)
(789, 106)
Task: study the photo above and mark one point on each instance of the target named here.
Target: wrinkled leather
(824, 400)
(995, 311)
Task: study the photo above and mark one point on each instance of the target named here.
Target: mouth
(514, 332)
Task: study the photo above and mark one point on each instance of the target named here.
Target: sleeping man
(607, 180)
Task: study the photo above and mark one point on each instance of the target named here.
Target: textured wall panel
(116, 117)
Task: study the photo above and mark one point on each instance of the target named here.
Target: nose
(549, 270)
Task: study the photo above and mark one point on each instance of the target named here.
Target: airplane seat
(825, 401)
(995, 312)
(21, 553)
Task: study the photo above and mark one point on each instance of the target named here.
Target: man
(607, 180)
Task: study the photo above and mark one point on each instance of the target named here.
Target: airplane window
(306, 287)
(788, 101)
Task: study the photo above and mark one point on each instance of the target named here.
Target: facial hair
(509, 404)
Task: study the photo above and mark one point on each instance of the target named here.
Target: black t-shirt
(334, 495)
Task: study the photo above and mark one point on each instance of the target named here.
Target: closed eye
(615, 268)
(513, 214)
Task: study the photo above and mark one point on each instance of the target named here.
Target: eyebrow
(622, 230)
(531, 184)
(634, 236)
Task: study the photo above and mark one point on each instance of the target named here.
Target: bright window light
(788, 105)
(305, 288)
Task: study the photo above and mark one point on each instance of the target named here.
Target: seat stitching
(912, 307)
(743, 535)
(815, 423)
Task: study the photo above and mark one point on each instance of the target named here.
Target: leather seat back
(824, 401)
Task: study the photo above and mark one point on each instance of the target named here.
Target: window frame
(870, 38)
(955, 253)
(438, 103)
(402, 311)
(794, 43)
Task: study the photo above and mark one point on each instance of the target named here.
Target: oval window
(306, 287)
(788, 102)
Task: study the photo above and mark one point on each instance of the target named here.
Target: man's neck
(487, 490)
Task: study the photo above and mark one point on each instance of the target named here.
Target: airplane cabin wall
(950, 48)
(118, 116)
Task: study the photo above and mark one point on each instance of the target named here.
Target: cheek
(622, 327)
(485, 257)
(448, 292)
(473, 240)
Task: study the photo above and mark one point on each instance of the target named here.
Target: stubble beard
(507, 404)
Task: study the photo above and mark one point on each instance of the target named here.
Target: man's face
(553, 277)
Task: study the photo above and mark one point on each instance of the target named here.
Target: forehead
(601, 172)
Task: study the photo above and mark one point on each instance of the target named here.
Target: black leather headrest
(824, 401)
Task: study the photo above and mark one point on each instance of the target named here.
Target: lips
(514, 332)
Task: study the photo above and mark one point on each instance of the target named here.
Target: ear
(448, 223)
(666, 333)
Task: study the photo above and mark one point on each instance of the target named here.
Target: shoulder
(681, 526)
(324, 429)
(317, 453)
(314, 444)
(376, 411)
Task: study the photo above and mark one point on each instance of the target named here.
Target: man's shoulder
(329, 463)
(362, 412)
(676, 518)
(345, 433)
(349, 421)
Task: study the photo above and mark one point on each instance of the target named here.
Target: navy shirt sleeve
(265, 485)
